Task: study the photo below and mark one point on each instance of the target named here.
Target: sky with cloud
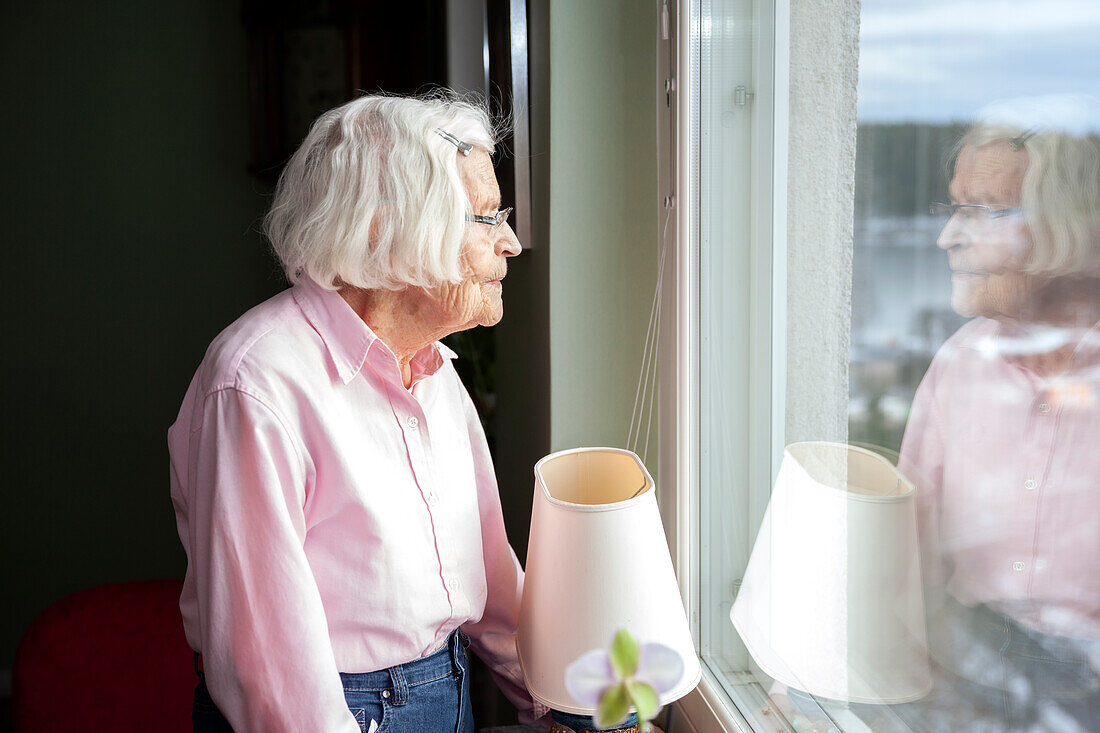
(943, 60)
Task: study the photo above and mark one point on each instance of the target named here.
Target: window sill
(708, 708)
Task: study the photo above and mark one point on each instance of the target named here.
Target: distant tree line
(901, 168)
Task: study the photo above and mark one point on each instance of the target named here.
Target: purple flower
(611, 681)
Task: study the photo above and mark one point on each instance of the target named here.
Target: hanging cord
(653, 358)
(647, 374)
(634, 433)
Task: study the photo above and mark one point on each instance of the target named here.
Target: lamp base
(559, 728)
(570, 723)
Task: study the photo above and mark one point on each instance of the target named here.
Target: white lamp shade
(597, 562)
(831, 601)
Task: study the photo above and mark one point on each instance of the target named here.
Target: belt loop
(458, 647)
(400, 685)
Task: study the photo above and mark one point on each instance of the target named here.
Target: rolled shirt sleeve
(267, 654)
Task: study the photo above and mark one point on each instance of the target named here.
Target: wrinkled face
(477, 299)
(987, 255)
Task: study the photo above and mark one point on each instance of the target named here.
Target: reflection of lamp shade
(831, 601)
(597, 562)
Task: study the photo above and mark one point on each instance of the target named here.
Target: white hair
(373, 198)
(1061, 187)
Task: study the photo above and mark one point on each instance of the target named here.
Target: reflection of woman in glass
(1002, 439)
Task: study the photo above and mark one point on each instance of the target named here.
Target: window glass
(974, 345)
(725, 261)
(936, 564)
(733, 124)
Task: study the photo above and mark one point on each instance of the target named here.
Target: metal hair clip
(1018, 142)
(463, 147)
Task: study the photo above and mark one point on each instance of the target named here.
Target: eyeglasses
(972, 212)
(493, 221)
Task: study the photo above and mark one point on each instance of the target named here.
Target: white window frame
(711, 707)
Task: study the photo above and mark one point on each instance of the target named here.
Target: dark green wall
(523, 335)
(129, 232)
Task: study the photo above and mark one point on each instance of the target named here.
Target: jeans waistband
(451, 659)
(1016, 638)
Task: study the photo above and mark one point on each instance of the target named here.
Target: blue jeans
(428, 695)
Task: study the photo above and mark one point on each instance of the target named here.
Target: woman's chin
(968, 297)
(965, 307)
(491, 319)
(492, 309)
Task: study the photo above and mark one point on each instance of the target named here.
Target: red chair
(109, 658)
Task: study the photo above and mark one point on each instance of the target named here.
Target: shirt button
(412, 422)
(386, 694)
(1031, 484)
(1044, 407)
(1018, 566)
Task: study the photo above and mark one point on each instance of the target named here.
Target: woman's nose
(952, 234)
(507, 243)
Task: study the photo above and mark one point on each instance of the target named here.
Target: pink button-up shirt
(1007, 465)
(333, 520)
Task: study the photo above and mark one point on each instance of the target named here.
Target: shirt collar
(349, 340)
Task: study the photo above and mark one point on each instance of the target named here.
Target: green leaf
(644, 698)
(614, 707)
(624, 655)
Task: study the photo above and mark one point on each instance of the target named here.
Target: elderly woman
(332, 486)
(1002, 437)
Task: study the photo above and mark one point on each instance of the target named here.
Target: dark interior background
(135, 173)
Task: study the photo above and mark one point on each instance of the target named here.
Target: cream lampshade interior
(597, 562)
